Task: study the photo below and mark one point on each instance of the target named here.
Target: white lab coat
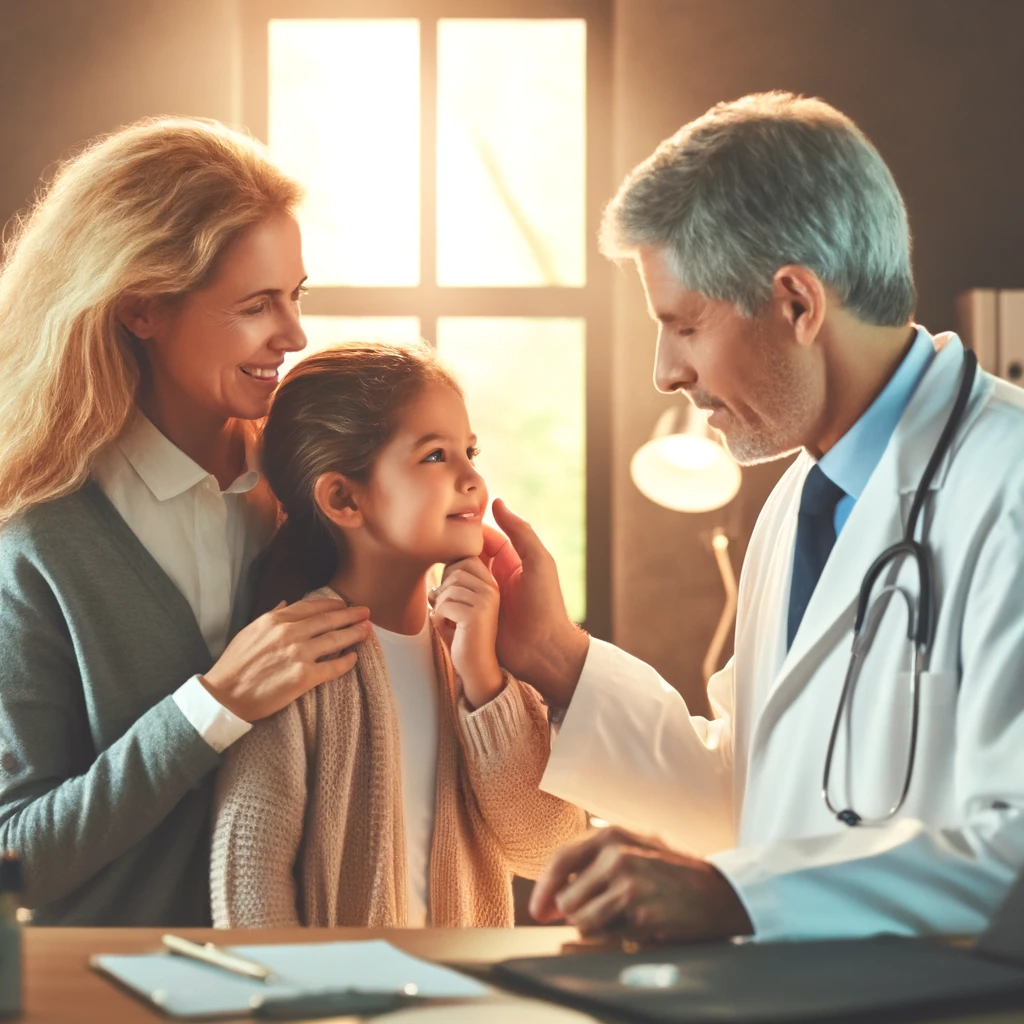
(745, 788)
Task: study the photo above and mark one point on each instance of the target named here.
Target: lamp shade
(685, 466)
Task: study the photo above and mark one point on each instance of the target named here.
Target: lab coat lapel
(877, 521)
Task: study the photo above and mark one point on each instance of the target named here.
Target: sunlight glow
(327, 331)
(344, 119)
(511, 152)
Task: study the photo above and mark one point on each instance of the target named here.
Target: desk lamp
(686, 467)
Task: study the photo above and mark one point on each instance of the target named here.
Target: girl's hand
(284, 653)
(468, 598)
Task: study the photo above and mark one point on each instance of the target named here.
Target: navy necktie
(815, 537)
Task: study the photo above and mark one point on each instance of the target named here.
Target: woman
(146, 304)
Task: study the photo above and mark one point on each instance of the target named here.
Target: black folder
(880, 978)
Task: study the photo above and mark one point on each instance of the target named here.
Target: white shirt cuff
(218, 726)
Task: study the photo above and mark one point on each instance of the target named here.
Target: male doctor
(774, 250)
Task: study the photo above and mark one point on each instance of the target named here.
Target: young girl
(404, 792)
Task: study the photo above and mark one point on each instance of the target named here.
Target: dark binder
(886, 978)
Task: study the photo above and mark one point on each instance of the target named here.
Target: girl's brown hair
(332, 414)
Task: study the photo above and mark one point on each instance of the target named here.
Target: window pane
(344, 112)
(530, 425)
(511, 124)
(327, 331)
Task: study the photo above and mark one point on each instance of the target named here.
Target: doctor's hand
(537, 641)
(465, 610)
(613, 882)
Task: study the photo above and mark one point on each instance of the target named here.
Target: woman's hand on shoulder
(468, 599)
(284, 653)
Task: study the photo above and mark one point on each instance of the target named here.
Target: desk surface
(60, 988)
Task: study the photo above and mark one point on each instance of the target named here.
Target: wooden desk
(60, 987)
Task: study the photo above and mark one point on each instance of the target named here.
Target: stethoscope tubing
(920, 626)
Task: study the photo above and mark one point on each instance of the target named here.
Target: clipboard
(188, 989)
(777, 983)
(791, 982)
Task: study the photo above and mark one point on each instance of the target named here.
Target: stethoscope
(920, 627)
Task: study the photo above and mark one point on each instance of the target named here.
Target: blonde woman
(146, 304)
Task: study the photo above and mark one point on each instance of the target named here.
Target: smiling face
(215, 353)
(749, 372)
(425, 499)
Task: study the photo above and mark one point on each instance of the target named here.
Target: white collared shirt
(202, 537)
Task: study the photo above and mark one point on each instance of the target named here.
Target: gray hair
(765, 181)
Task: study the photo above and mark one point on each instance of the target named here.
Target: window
(455, 157)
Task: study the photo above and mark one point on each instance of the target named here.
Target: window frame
(430, 301)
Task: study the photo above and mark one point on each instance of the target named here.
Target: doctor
(773, 247)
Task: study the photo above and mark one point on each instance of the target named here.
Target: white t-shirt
(410, 665)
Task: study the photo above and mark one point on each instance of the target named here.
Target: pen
(213, 954)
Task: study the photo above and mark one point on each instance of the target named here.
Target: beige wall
(937, 85)
(73, 69)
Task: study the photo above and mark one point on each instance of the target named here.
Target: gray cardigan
(105, 787)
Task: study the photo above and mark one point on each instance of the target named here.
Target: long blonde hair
(144, 212)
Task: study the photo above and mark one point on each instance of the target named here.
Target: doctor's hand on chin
(615, 883)
(537, 641)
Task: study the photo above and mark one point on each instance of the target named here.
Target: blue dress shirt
(853, 458)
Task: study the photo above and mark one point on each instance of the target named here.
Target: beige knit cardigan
(308, 821)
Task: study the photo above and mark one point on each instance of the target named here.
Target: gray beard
(789, 408)
(753, 449)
